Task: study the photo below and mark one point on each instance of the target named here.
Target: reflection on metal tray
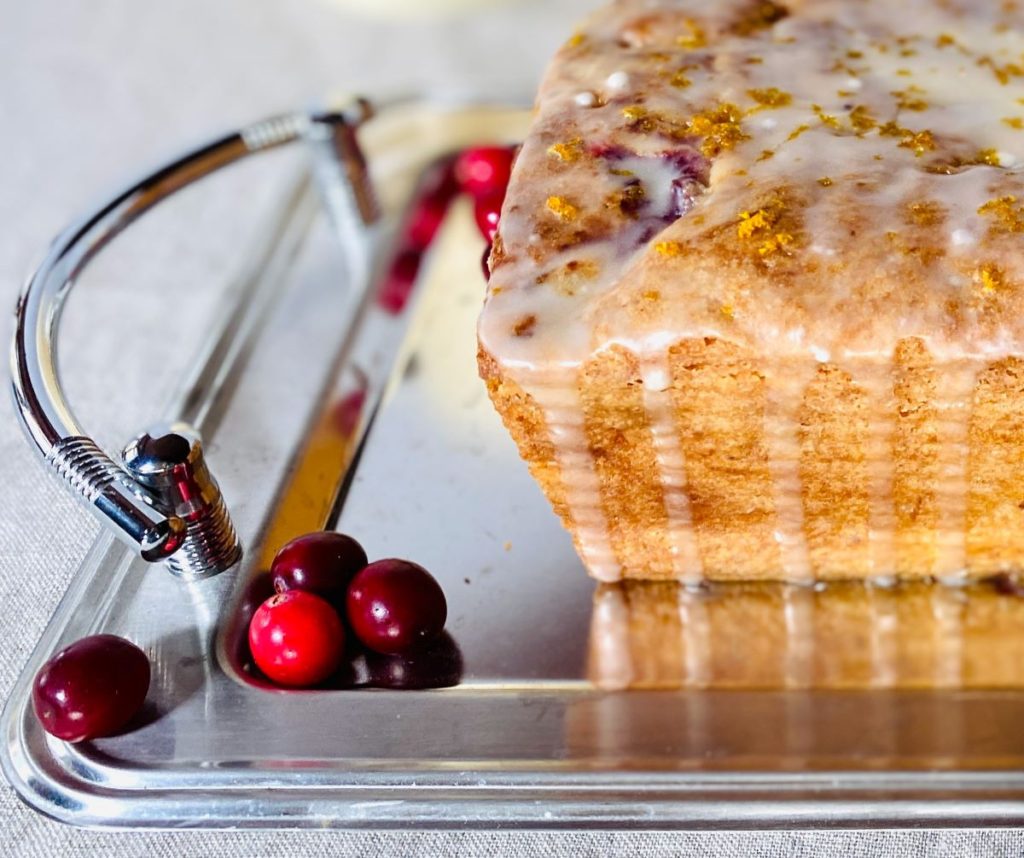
(646, 634)
(377, 425)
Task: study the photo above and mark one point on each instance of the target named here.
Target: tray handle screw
(167, 460)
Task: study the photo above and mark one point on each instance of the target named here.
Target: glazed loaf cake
(755, 308)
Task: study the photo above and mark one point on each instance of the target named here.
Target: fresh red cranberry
(400, 280)
(92, 688)
(395, 605)
(427, 212)
(296, 639)
(424, 222)
(323, 563)
(487, 210)
(484, 169)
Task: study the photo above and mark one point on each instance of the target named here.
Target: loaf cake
(755, 304)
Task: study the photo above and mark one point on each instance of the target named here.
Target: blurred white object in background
(413, 8)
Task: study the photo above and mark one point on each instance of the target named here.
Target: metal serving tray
(376, 424)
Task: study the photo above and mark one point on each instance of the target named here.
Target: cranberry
(296, 639)
(435, 665)
(256, 592)
(487, 210)
(92, 688)
(485, 262)
(400, 280)
(323, 563)
(688, 175)
(395, 605)
(1008, 584)
(348, 411)
(484, 169)
(435, 193)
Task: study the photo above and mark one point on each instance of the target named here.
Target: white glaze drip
(784, 392)
(657, 386)
(563, 414)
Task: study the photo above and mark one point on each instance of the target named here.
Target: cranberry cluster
(326, 592)
(324, 585)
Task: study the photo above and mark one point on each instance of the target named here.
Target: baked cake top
(817, 178)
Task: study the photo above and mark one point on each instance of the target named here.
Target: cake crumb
(925, 213)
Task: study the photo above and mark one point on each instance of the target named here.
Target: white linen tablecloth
(90, 92)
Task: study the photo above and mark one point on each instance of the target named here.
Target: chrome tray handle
(162, 500)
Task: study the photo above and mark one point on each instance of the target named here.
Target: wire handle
(163, 502)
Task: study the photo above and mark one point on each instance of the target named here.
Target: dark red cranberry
(437, 664)
(400, 280)
(348, 411)
(487, 210)
(256, 592)
(485, 262)
(427, 212)
(323, 563)
(1008, 584)
(92, 688)
(296, 639)
(688, 176)
(424, 222)
(484, 169)
(395, 606)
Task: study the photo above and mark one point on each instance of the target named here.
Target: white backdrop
(90, 92)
